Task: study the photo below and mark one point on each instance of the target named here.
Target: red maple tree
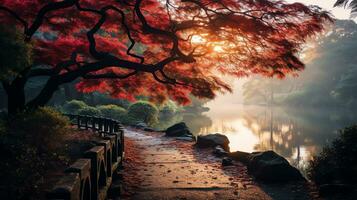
(157, 48)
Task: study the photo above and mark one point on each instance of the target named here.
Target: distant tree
(161, 49)
(143, 111)
(261, 90)
(73, 106)
(346, 87)
(328, 80)
(258, 90)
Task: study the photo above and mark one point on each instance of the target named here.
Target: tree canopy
(161, 49)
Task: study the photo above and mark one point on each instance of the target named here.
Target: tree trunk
(15, 95)
(45, 95)
(16, 100)
(67, 92)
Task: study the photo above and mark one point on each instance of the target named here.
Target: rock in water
(271, 167)
(213, 140)
(177, 130)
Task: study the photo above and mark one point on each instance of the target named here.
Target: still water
(297, 134)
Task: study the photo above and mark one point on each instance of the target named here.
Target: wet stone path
(158, 167)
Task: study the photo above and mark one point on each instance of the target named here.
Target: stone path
(165, 168)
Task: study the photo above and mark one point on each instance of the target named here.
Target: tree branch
(109, 75)
(43, 11)
(17, 17)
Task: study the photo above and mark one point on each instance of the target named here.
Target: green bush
(169, 109)
(44, 128)
(112, 111)
(28, 146)
(96, 98)
(90, 111)
(142, 111)
(337, 162)
(72, 107)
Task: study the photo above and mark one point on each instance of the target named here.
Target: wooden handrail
(96, 124)
(91, 176)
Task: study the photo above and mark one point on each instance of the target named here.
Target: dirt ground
(161, 168)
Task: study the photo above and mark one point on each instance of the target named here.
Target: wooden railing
(96, 124)
(90, 177)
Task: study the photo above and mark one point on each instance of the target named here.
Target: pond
(295, 133)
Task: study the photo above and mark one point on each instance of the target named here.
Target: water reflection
(297, 134)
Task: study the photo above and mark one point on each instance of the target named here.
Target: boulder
(240, 156)
(178, 130)
(213, 140)
(227, 162)
(271, 167)
(219, 151)
(141, 125)
(188, 138)
(148, 129)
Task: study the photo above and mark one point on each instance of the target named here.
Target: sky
(339, 13)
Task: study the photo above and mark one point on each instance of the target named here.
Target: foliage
(28, 143)
(168, 109)
(112, 111)
(104, 99)
(143, 111)
(44, 128)
(163, 50)
(16, 54)
(73, 106)
(337, 162)
(346, 86)
(90, 111)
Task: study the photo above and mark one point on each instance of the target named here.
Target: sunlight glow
(197, 39)
(218, 48)
(241, 137)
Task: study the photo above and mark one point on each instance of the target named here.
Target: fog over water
(297, 116)
(297, 134)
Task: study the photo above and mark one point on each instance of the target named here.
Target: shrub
(169, 109)
(338, 161)
(72, 107)
(44, 128)
(90, 111)
(105, 99)
(112, 111)
(29, 144)
(142, 111)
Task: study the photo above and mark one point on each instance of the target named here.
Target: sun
(201, 40)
